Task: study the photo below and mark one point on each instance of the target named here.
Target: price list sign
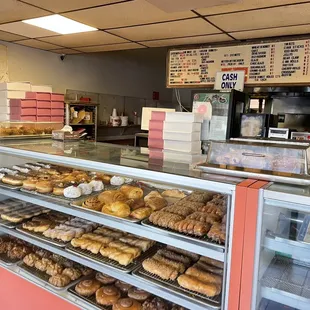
(274, 63)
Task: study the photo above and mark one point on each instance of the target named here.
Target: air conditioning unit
(172, 6)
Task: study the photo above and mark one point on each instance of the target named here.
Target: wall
(128, 73)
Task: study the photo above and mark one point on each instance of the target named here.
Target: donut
(138, 294)
(127, 304)
(104, 279)
(30, 184)
(123, 286)
(44, 187)
(107, 295)
(87, 287)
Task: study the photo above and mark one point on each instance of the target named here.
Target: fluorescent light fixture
(59, 24)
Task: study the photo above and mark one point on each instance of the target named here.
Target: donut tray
(91, 300)
(78, 204)
(204, 239)
(4, 259)
(8, 186)
(43, 277)
(41, 237)
(211, 302)
(98, 258)
(60, 199)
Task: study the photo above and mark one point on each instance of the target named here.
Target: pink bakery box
(156, 143)
(58, 105)
(23, 111)
(57, 97)
(59, 119)
(23, 118)
(43, 104)
(57, 112)
(156, 125)
(158, 116)
(156, 153)
(43, 112)
(23, 103)
(156, 134)
(43, 118)
(38, 96)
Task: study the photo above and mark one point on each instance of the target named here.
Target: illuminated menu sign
(267, 63)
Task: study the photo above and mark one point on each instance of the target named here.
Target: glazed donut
(108, 295)
(72, 273)
(138, 294)
(104, 279)
(127, 304)
(44, 187)
(59, 280)
(30, 184)
(87, 287)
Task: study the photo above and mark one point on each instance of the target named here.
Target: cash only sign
(226, 81)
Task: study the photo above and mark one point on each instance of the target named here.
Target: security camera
(62, 57)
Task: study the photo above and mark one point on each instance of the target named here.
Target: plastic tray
(8, 261)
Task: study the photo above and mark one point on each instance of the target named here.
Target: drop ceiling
(133, 24)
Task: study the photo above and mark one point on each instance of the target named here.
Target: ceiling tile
(65, 51)
(58, 6)
(125, 14)
(189, 40)
(13, 10)
(26, 30)
(246, 5)
(265, 18)
(189, 27)
(273, 32)
(37, 44)
(6, 36)
(84, 39)
(106, 48)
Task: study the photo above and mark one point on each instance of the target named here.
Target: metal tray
(302, 180)
(91, 300)
(78, 204)
(203, 240)
(8, 186)
(8, 261)
(211, 302)
(41, 237)
(288, 277)
(61, 199)
(8, 224)
(43, 277)
(98, 258)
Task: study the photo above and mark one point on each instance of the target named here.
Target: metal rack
(189, 180)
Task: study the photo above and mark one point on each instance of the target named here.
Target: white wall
(128, 73)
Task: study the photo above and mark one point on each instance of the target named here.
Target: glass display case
(282, 258)
(267, 160)
(216, 244)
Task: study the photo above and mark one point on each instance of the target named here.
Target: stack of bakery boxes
(24, 102)
(175, 137)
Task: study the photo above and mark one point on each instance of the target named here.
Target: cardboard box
(57, 97)
(158, 116)
(59, 119)
(156, 125)
(44, 96)
(181, 127)
(186, 117)
(23, 118)
(12, 94)
(43, 112)
(183, 136)
(23, 86)
(58, 105)
(156, 143)
(4, 110)
(4, 117)
(43, 118)
(23, 111)
(41, 88)
(156, 134)
(184, 147)
(57, 112)
(23, 103)
(43, 104)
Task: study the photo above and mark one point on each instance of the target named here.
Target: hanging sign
(229, 80)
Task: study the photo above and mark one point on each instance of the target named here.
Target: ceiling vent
(172, 6)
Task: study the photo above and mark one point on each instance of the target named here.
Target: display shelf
(295, 248)
(61, 294)
(196, 246)
(184, 301)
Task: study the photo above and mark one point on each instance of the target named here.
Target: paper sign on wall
(227, 81)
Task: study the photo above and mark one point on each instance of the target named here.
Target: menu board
(267, 63)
